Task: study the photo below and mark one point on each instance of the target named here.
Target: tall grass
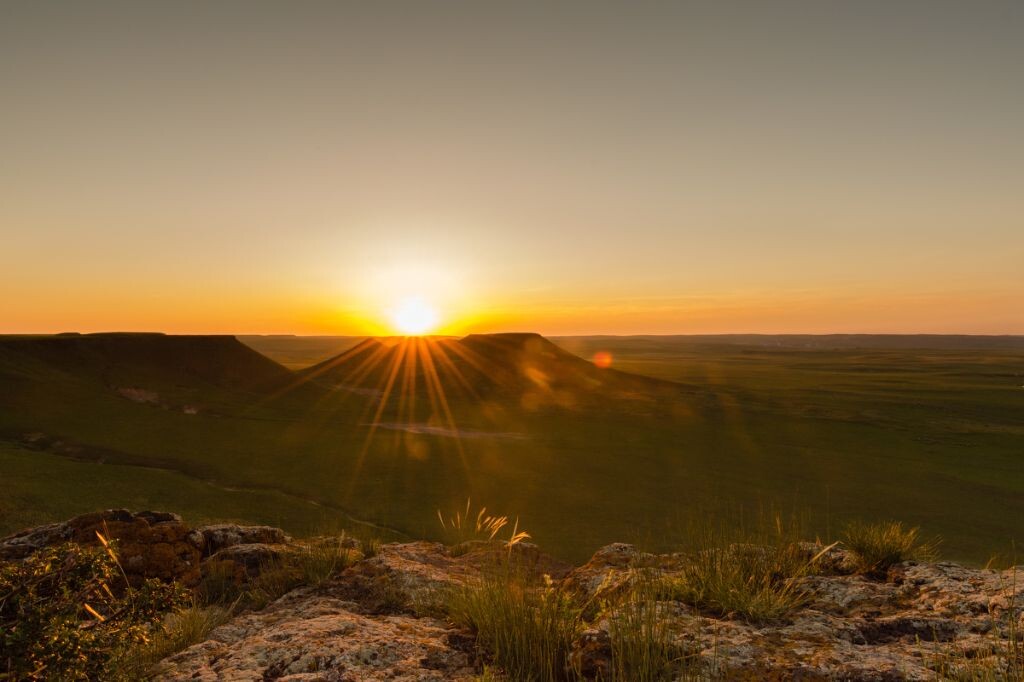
(644, 648)
(749, 571)
(178, 631)
(875, 547)
(526, 627)
(463, 527)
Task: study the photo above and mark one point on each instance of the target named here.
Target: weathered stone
(149, 544)
(217, 537)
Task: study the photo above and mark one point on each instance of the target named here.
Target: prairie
(928, 430)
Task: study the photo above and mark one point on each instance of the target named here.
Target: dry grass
(462, 527)
(877, 546)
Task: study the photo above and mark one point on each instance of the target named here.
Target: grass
(463, 527)
(860, 433)
(311, 563)
(644, 649)
(752, 572)
(526, 627)
(177, 631)
(877, 546)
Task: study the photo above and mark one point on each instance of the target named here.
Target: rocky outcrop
(901, 627)
(314, 635)
(381, 617)
(360, 626)
(156, 544)
(149, 544)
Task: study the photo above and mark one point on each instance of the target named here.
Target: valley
(678, 427)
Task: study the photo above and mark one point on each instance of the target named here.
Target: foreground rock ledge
(852, 628)
(362, 624)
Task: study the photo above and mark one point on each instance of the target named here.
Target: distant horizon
(504, 331)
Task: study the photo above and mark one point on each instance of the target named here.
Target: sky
(562, 167)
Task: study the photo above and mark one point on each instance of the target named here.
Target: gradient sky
(560, 167)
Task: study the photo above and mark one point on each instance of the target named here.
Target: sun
(414, 317)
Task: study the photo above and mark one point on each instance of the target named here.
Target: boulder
(149, 544)
(217, 537)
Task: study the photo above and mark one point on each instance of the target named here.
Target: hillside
(584, 455)
(125, 359)
(525, 367)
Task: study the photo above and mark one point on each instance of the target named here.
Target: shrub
(877, 546)
(67, 612)
(527, 628)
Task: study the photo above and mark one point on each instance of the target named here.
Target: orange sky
(580, 168)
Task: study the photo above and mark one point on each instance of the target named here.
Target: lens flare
(603, 359)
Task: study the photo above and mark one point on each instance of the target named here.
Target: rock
(149, 544)
(217, 537)
(307, 635)
(591, 654)
(249, 559)
(851, 628)
(377, 621)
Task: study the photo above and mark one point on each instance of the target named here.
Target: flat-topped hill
(476, 366)
(127, 358)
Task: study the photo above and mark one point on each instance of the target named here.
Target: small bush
(877, 546)
(67, 612)
(526, 628)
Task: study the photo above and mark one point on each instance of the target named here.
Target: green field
(927, 430)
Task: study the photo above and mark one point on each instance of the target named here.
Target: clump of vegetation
(179, 630)
(644, 649)
(312, 563)
(461, 527)
(877, 546)
(320, 559)
(526, 626)
(753, 573)
(68, 612)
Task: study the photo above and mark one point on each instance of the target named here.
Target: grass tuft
(644, 648)
(527, 627)
(751, 573)
(875, 547)
(178, 631)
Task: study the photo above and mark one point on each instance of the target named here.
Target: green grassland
(934, 437)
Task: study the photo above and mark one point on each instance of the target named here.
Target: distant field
(40, 487)
(864, 428)
(296, 352)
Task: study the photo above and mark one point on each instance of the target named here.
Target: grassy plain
(933, 437)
